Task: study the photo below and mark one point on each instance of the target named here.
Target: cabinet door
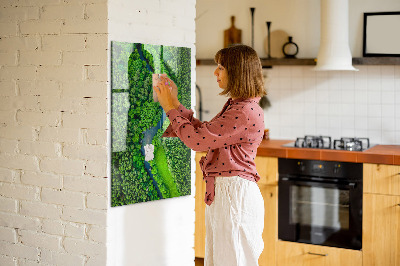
(270, 233)
(200, 207)
(297, 254)
(381, 179)
(267, 168)
(381, 230)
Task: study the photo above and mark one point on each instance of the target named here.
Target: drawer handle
(318, 254)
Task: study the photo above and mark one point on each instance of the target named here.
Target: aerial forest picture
(145, 166)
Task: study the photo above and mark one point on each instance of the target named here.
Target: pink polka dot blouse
(231, 139)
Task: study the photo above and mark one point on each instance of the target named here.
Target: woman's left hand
(163, 91)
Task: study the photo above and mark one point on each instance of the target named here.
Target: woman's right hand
(174, 90)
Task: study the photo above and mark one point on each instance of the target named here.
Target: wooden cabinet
(381, 179)
(381, 215)
(270, 233)
(381, 230)
(200, 207)
(298, 254)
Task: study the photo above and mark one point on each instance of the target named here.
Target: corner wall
(157, 232)
(53, 144)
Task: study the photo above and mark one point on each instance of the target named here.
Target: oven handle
(297, 181)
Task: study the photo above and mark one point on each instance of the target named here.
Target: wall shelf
(312, 61)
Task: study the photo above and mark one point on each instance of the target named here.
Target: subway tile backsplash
(365, 103)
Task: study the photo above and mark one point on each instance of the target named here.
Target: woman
(235, 207)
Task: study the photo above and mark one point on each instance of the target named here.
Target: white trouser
(234, 223)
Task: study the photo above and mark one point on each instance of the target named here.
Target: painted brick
(19, 250)
(63, 197)
(87, 88)
(41, 179)
(38, 209)
(62, 166)
(6, 103)
(40, 148)
(84, 247)
(26, 103)
(86, 184)
(26, 262)
(85, 26)
(88, 216)
(7, 175)
(94, 168)
(32, 2)
(97, 260)
(61, 104)
(7, 88)
(8, 205)
(60, 258)
(8, 234)
(98, 202)
(97, 42)
(98, 73)
(39, 58)
(57, 134)
(17, 191)
(35, 239)
(85, 152)
(16, 132)
(69, 42)
(75, 230)
(19, 221)
(8, 145)
(60, 73)
(87, 57)
(96, 137)
(19, 13)
(19, 43)
(85, 120)
(96, 11)
(40, 27)
(53, 227)
(98, 234)
(8, 117)
(62, 12)
(18, 72)
(17, 161)
(8, 58)
(39, 87)
(39, 118)
(8, 261)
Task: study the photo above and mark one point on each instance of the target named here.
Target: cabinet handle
(318, 254)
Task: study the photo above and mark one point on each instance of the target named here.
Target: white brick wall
(53, 121)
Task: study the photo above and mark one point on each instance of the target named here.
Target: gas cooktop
(325, 142)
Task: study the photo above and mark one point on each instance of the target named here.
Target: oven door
(320, 212)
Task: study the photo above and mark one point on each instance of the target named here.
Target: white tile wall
(338, 104)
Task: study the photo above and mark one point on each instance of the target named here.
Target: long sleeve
(222, 131)
(188, 114)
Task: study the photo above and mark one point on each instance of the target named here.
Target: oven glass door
(320, 213)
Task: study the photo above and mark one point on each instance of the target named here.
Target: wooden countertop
(379, 154)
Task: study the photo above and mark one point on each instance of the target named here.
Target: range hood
(334, 51)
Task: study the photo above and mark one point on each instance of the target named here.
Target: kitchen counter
(379, 154)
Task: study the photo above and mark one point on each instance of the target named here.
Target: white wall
(53, 145)
(338, 104)
(158, 232)
(299, 18)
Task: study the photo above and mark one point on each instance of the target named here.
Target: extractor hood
(334, 51)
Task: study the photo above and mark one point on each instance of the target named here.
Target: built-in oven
(320, 202)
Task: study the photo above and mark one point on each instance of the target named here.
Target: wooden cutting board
(232, 35)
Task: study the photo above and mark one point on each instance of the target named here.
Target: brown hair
(245, 78)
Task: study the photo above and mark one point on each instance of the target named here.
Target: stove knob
(336, 169)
